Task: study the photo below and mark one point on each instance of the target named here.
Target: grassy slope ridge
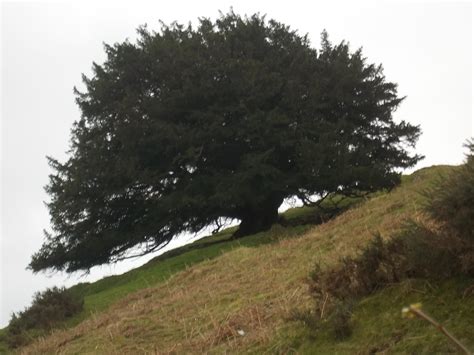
(200, 300)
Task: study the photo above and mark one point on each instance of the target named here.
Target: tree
(191, 125)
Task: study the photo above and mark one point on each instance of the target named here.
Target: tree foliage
(191, 125)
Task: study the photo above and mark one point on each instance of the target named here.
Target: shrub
(413, 254)
(437, 247)
(336, 290)
(380, 263)
(340, 320)
(451, 203)
(48, 309)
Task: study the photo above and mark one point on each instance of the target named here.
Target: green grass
(268, 270)
(100, 294)
(378, 325)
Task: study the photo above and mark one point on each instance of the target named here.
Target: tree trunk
(256, 219)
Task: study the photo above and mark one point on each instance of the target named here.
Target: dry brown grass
(203, 308)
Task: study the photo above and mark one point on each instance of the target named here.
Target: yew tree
(190, 125)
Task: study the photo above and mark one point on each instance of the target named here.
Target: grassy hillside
(219, 295)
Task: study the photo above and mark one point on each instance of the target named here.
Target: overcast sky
(425, 47)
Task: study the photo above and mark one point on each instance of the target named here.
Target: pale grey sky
(426, 47)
